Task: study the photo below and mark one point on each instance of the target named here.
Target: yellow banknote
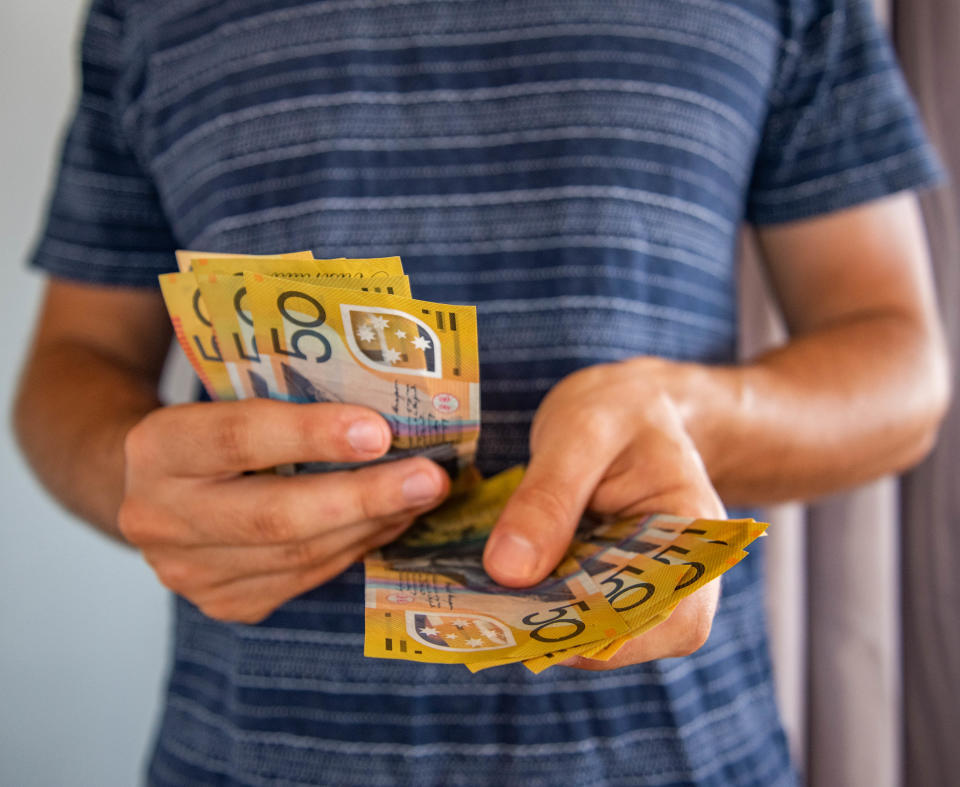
(643, 567)
(415, 362)
(295, 267)
(185, 257)
(660, 530)
(224, 295)
(640, 588)
(194, 331)
(467, 517)
(644, 590)
(708, 547)
(703, 562)
(441, 607)
(192, 324)
(637, 587)
(645, 586)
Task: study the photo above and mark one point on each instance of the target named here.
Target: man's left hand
(612, 439)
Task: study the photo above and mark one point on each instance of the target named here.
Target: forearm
(76, 404)
(834, 407)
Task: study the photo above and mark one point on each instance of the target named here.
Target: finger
(665, 475)
(270, 509)
(251, 599)
(683, 633)
(218, 438)
(538, 522)
(201, 569)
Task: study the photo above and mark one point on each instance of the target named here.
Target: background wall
(83, 624)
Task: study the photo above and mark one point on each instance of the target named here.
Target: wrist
(711, 401)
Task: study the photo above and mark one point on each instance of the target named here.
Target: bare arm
(171, 480)
(91, 374)
(857, 392)
(860, 388)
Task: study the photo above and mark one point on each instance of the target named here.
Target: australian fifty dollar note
(192, 323)
(223, 291)
(637, 569)
(413, 361)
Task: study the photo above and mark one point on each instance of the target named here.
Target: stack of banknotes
(299, 329)
(294, 328)
(428, 598)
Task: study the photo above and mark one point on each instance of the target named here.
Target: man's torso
(576, 169)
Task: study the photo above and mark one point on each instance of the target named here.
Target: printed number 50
(623, 588)
(560, 618)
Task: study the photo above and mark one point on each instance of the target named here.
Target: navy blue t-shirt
(576, 168)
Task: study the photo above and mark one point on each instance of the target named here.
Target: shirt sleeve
(842, 128)
(104, 221)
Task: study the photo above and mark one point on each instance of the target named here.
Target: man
(579, 171)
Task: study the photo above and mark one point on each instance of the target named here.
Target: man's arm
(172, 481)
(860, 388)
(864, 377)
(91, 374)
(857, 392)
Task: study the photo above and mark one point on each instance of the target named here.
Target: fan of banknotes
(428, 598)
(299, 329)
(302, 330)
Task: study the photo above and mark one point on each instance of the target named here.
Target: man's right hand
(239, 545)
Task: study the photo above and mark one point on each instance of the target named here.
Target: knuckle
(366, 506)
(231, 439)
(696, 634)
(583, 379)
(178, 577)
(662, 413)
(139, 444)
(597, 422)
(252, 615)
(590, 374)
(135, 521)
(368, 503)
(337, 504)
(218, 610)
(301, 554)
(230, 611)
(128, 520)
(273, 522)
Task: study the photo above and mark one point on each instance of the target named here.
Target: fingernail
(514, 557)
(366, 437)
(420, 487)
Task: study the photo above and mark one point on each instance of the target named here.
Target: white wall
(83, 624)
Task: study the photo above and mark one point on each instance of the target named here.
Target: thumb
(537, 524)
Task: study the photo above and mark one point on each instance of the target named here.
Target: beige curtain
(867, 650)
(928, 36)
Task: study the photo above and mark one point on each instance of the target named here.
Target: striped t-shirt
(576, 168)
